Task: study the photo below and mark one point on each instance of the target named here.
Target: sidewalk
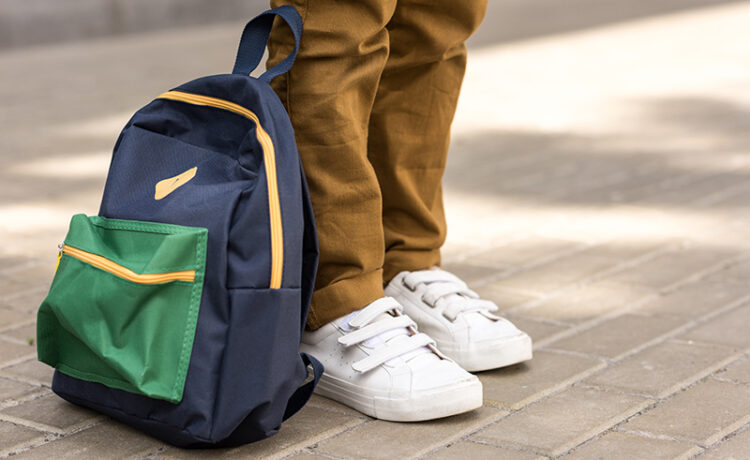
(597, 191)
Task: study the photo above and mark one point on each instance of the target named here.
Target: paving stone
(52, 411)
(11, 351)
(28, 302)
(672, 267)
(13, 436)
(703, 414)
(30, 370)
(557, 424)
(588, 302)
(474, 451)
(307, 456)
(537, 330)
(504, 299)
(737, 273)
(321, 402)
(616, 188)
(694, 191)
(696, 299)
(735, 448)
(106, 440)
(567, 270)
(10, 318)
(387, 440)
(729, 328)
(9, 263)
(454, 251)
(309, 426)
(525, 251)
(739, 372)
(25, 334)
(625, 446)
(619, 335)
(10, 286)
(37, 274)
(518, 385)
(470, 271)
(664, 368)
(601, 227)
(10, 389)
(735, 196)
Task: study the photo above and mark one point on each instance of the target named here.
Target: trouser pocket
(123, 305)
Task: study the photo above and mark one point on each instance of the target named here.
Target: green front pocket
(123, 305)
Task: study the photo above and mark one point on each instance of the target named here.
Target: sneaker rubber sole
(489, 354)
(440, 402)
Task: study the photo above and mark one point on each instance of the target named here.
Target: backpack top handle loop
(254, 39)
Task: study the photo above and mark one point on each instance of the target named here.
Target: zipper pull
(59, 256)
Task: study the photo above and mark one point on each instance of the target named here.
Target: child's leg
(408, 143)
(375, 360)
(329, 95)
(410, 124)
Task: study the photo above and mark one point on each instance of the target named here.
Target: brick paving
(597, 191)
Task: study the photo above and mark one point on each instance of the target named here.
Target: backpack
(179, 308)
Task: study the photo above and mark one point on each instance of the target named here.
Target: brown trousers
(371, 97)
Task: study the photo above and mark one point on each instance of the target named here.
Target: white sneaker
(461, 323)
(377, 363)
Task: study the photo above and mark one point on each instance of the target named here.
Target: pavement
(597, 191)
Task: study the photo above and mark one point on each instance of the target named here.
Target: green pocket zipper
(126, 273)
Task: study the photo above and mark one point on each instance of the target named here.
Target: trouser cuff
(343, 297)
(397, 261)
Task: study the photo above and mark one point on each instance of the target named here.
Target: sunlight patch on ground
(84, 166)
(478, 220)
(33, 217)
(575, 81)
(109, 125)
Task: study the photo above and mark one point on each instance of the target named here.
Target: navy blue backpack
(179, 309)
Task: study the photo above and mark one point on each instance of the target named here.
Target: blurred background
(588, 102)
(597, 190)
(34, 22)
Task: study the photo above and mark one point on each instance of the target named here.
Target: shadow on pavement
(690, 148)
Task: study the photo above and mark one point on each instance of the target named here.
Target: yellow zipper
(116, 269)
(269, 161)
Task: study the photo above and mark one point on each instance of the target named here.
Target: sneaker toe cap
(437, 374)
(482, 328)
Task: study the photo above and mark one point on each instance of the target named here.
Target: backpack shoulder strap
(300, 397)
(254, 39)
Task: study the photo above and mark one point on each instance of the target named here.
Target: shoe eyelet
(424, 301)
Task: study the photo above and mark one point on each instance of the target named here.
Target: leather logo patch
(169, 185)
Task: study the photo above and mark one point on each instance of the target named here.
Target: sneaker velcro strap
(376, 328)
(457, 306)
(374, 310)
(392, 350)
(431, 276)
(441, 289)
